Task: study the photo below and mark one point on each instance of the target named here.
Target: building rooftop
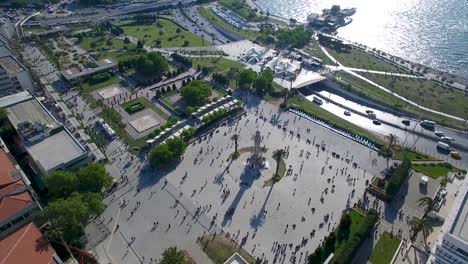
(11, 65)
(27, 245)
(236, 259)
(460, 224)
(15, 98)
(32, 111)
(14, 196)
(74, 73)
(56, 150)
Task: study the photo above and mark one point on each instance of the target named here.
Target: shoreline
(444, 77)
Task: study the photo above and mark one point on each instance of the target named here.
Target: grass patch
(219, 249)
(133, 107)
(103, 43)
(164, 33)
(425, 92)
(117, 55)
(242, 9)
(281, 170)
(305, 105)
(357, 58)
(411, 155)
(434, 170)
(217, 65)
(314, 50)
(113, 119)
(385, 249)
(365, 89)
(143, 101)
(207, 13)
(89, 86)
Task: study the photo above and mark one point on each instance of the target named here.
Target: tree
(164, 154)
(263, 83)
(344, 228)
(428, 203)
(140, 44)
(196, 92)
(3, 113)
(418, 225)
(316, 257)
(235, 138)
(93, 178)
(68, 214)
(55, 233)
(152, 63)
(246, 77)
(61, 184)
(392, 139)
(278, 155)
(297, 37)
(173, 256)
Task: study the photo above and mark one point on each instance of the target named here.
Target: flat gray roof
(460, 225)
(11, 65)
(103, 65)
(15, 98)
(55, 150)
(30, 110)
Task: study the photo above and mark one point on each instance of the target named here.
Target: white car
(447, 139)
(439, 133)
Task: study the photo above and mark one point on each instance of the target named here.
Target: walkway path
(347, 70)
(384, 73)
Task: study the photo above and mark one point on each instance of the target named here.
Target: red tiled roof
(6, 168)
(12, 200)
(27, 245)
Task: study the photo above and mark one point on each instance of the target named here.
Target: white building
(452, 245)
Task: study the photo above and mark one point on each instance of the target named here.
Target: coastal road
(103, 14)
(385, 89)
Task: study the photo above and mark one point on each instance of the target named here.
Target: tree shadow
(259, 219)
(247, 178)
(396, 203)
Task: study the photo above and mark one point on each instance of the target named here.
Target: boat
(347, 113)
(317, 100)
(439, 133)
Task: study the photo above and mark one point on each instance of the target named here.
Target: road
(103, 14)
(347, 70)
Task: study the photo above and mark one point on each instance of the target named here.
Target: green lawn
(215, 19)
(164, 31)
(311, 108)
(143, 101)
(426, 93)
(220, 249)
(34, 29)
(385, 249)
(88, 87)
(113, 119)
(356, 221)
(412, 155)
(100, 43)
(434, 170)
(367, 90)
(242, 9)
(218, 65)
(117, 55)
(357, 58)
(314, 50)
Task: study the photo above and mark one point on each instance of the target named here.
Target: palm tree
(428, 203)
(54, 233)
(235, 137)
(420, 224)
(278, 155)
(392, 139)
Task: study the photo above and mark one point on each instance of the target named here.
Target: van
(444, 146)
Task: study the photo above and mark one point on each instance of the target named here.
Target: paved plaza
(111, 91)
(161, 207)
(144, 123)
